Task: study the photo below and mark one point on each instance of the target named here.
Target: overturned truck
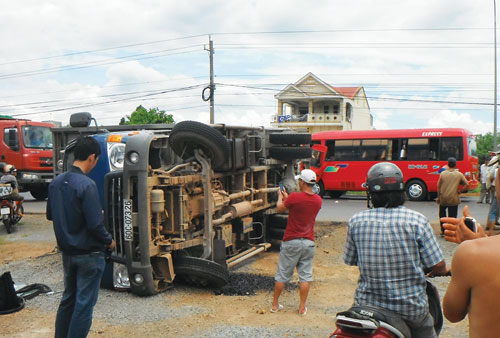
(189, 201)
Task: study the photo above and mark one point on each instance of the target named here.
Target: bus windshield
(37, 137)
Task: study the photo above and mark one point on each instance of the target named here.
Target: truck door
(9, 145)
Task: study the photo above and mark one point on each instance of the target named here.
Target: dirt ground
(332, 291)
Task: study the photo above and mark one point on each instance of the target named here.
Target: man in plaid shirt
(392, 245)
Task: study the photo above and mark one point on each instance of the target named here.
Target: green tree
(142, 115)
(484, 145)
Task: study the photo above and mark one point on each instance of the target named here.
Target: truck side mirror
(13, 141)
(80, 120)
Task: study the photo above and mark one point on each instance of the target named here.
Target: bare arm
(280, 206)
(457, 298)
(440, 269)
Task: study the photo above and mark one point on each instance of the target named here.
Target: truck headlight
(31, 176)
(120, 276)
(116, 153)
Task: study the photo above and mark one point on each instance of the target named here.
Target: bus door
(317, 159)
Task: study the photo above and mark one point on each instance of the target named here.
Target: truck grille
(113, 209)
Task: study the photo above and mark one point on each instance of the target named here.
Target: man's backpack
(9, 300)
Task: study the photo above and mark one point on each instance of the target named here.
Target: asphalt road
(342, 209)
(339, 210)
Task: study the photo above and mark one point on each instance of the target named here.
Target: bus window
(451, 147)
(376, 150)
(418, 149)
(347, 150)
(471, 146)
(330, 153)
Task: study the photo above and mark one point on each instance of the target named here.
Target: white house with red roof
(313, 104)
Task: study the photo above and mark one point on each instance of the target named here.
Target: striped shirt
(391, 246)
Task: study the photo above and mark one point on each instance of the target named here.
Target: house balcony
(307, 120)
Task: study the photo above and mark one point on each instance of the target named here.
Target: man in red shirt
(297, 248)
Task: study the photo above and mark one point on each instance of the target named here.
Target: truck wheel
(187, 136)
(275, 233)
(278, 221)
(200, 272)
(40, 194)
(416, 190)
(290, 153)
(290, 138)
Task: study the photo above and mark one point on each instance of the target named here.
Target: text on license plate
(127, 220)
(5, 211)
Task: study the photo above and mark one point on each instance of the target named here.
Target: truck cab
(28, 146)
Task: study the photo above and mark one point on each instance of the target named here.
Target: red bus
(341, 159)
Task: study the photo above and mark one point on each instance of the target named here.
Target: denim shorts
(297, 253)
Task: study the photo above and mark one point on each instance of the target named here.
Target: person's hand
(284, 194)
(111, 246)
(456, 231)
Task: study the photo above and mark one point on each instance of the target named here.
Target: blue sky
(426, 63)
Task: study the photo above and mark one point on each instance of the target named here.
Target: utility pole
(495, 96)
(212, 86)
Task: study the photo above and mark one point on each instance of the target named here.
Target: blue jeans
(82, 276)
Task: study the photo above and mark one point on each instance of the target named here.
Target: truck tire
(187, 136)
(200, 272)
(278, 221)
(40, 194)
(290, 138)
(290, 153)
(277, 234)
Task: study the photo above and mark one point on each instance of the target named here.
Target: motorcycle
(372, 322)
(8, 208)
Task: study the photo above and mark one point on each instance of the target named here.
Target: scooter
(8, 208)
(371, 322)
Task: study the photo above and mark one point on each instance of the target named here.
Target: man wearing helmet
(392, 246)
(10, 178)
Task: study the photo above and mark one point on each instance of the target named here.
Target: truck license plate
(127, 220)
(5, 211)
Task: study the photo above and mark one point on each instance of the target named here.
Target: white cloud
(394, 56)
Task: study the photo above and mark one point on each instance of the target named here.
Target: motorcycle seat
(378, 315)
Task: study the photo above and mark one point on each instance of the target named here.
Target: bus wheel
(290, 153)
(416, 190)
(336, 193)
(187, 136)
(290, 138)
(321, 189)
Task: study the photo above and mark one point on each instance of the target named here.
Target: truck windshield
(37, 137)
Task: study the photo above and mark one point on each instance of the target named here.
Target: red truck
(28, 146)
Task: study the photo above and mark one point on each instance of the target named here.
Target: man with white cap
(297, 248)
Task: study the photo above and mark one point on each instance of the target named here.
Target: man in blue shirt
(74, 207)
(392, 245)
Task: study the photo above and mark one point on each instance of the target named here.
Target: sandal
(280, 307)
(303, 313)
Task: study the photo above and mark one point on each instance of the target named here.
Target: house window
(336, 109)
(326, 109)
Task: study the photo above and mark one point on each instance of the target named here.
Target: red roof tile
(349, 92)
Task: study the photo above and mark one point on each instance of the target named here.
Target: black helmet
(384, 176)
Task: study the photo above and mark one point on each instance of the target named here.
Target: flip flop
(280, 307)
(303, 313)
